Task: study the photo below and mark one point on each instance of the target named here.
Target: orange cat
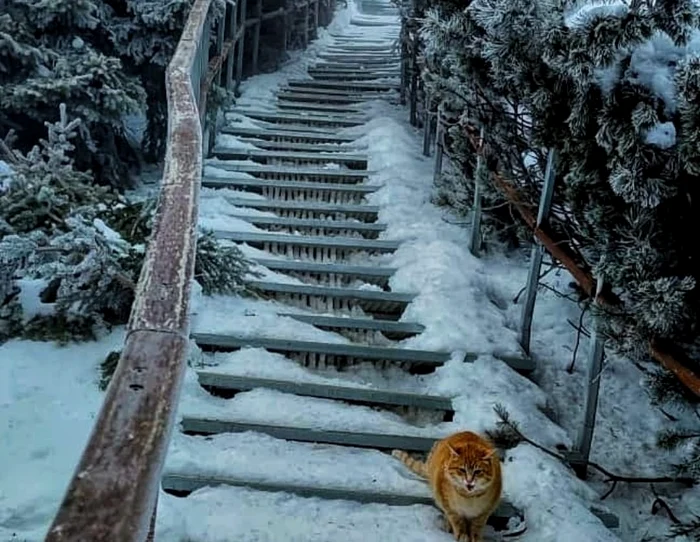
(464, 473)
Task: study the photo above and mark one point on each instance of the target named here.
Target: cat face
(470, 469)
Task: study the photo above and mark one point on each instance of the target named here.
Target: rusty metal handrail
(114, 489)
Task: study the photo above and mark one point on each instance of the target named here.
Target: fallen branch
(513, 434)
(561, 250)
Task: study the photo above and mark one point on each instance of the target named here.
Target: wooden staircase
(313, 177)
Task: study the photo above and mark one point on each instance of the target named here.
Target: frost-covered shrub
(614, 88)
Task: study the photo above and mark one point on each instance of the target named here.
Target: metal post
(256, 35)
(427, 125)
(241, 44)
(533, 277)
(475, 234)
(439, 142)
(231, 9)
(582, 450)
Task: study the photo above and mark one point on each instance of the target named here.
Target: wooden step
(232, 120)
(365, 60)
(340, 85)
(340, 92)
(304, 209)
(292, 173)
(322, 119)
(331, 272)
(378, 303)
(260, 240)
(331, 148)
(415, 360)
(315, 227)
(321, 98)
(183, 484)
(291, 190)
(366, 396)
(211, 426)
(286, 135)
(352, 70)
(350, 77)
(307, 106)
(352, 161)
(391, 330)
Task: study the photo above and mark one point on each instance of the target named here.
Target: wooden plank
(349, 85)
(394, 330)
(313, 107)
(318, 190)
(354, 294)
(322, 119)
(264, 133)
(289, 146)
(357, 351)
(321, 98)
(184, 484)
(351, 176)
(370, 229)
(342, 92)
(213, 379)
(260, 239)
(361, 212)
(361, 272)
(357, 439)
(232, 153)
(351, 78)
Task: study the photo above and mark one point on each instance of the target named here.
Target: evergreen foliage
(614, 88)
(87, 244)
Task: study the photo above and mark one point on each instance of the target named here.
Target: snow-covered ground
(49, 395)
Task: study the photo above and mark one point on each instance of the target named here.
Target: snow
(49, 395)
(48, 402)
(662, 135)
(585, 13)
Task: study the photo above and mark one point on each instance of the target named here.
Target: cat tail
(418, 467)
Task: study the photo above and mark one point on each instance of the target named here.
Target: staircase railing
(113, 493)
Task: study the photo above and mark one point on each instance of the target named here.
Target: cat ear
(490, 453)
(454, 452)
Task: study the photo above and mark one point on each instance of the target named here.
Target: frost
(582, 15)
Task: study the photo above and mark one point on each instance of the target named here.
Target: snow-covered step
(305, 106)
(338, 354)
(381, 304)
(202, 425)
(279, 133)
(365, 60)
(330, 273)
(303, 209)
(324, 75)
(229, 382)
(350, 160)
(314, 227)
(290, 190)
(327, 149)
(325, 120)
(322, 98)
(287, 173)
(388, 328)
(343, 85)
(349, 70)
(340, 92)
(309, 246)
(183, 484)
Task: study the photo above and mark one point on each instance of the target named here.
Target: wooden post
(475, 233)
(241, 44)
(285, 26)
(428, 125)
(582, 451)
(152, 529)
(230, 34)
(256, 35)
(536, 254)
